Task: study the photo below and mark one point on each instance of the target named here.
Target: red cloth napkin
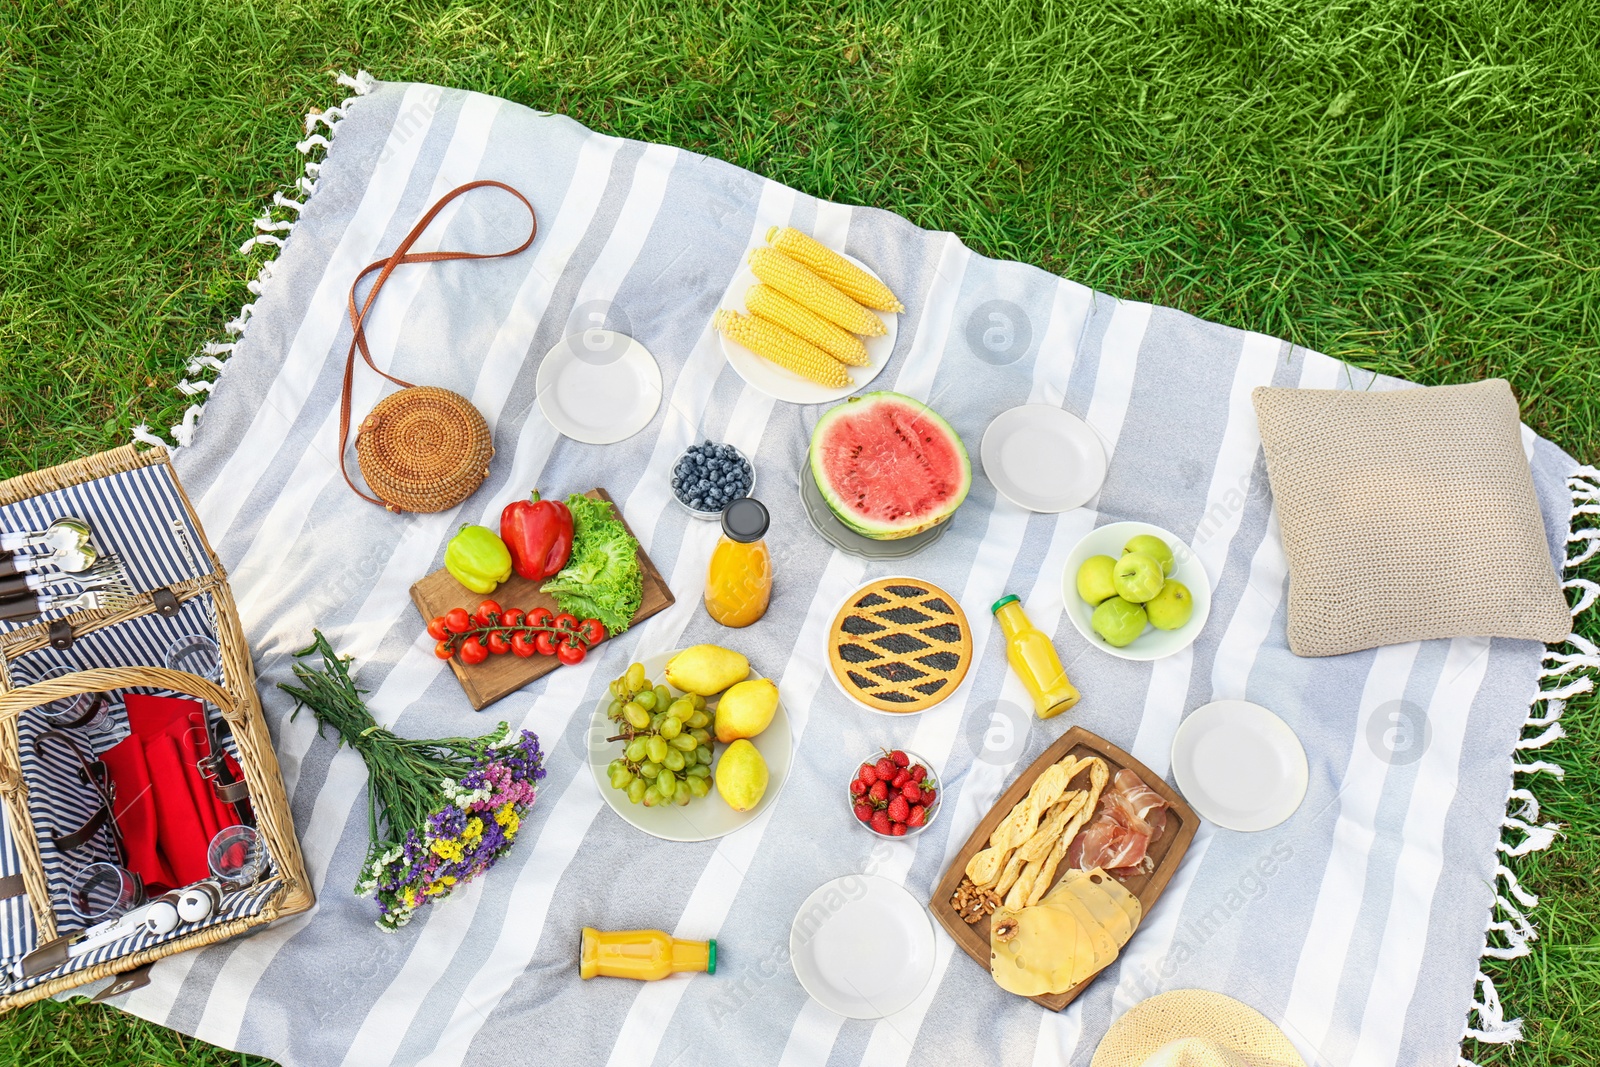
(135, 813)
(182, 835)
(182, 719)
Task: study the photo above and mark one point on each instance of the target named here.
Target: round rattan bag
(424, 449)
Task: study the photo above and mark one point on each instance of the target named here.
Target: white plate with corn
(804, 323)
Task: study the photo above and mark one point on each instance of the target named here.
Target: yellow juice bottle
(1033, 656)
(739, 579)
(647, 955)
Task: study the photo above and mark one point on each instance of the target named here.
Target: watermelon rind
(910, 524)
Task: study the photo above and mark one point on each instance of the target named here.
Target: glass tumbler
(86, 711)
(196, 654)
(104, 891)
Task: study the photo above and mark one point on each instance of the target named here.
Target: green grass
(1409, 186)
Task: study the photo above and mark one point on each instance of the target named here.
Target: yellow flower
(507, 817)
(447, 849)
(474, 829)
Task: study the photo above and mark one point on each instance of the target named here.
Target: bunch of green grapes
(666, 757)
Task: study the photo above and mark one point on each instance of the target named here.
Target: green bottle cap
(711, 956)
(1002, 602)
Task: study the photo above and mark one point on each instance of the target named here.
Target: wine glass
(235, 855)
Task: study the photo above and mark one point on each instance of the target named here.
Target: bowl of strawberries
(894, 794)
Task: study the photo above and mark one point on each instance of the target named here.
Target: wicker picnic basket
(133, 499)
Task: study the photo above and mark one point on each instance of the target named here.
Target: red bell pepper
(539, 535)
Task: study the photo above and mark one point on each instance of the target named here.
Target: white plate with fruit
(628, 756)
(1136, 591)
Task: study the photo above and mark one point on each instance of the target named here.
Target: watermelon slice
(888, 466)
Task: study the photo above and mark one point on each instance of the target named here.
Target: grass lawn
(1406, 187)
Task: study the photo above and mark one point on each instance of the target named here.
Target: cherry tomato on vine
(592, 630)
(443, 650)
(566, 621)
(545, 642)
(487, 612)
(540, 617)
(437, 629)
(457, 621)
(570, 651)
(521, 646)
(473, 652)
(497, 643)
(514, 617)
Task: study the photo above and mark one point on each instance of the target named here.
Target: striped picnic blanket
(1358, 924)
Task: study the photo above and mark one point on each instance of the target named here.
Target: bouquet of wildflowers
(449, 808)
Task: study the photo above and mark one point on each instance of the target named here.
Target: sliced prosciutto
(1130, 816)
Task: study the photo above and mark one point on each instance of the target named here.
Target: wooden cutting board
(500, 676)
(1167, 850)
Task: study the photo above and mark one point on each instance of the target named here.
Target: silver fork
(33, 605)
(100, 576)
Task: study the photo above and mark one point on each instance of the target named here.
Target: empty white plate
(862, 946)
(1043, 458)
(1239, 765)
(599, 386)
(783, 384)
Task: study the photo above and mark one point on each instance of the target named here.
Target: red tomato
(570, 652)
(593, 632)
(443, 650)
(487, 612)
(437, 629)
(540, 617)
(545, 642)
(521, 646)
(498, 643)
(472, 651)
(566, 621)
(513, 617)
(457, 621)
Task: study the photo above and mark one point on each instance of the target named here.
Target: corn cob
(765, 302)
(832, 267)
(802, 285)
(783, 348)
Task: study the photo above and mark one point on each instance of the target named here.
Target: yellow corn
(800, 284)
(830, 266)
(783, 348)
(765, 302)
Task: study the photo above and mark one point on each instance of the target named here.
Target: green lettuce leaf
(602, 579)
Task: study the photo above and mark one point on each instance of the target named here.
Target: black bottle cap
(745, 520)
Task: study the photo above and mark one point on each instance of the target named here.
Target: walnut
(1005, 929)
(973, 903)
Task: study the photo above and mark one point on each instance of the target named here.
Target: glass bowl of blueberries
(708, 477)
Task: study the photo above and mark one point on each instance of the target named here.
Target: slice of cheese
(1051, 952)
(1109, 904)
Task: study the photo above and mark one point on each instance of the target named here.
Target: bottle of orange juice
(1033, 657)
(647, 955)
(739, 580)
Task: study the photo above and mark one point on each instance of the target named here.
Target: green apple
(1155, 548)
(1094, 579)
(1119, 621)
(1170, 608)
(1137, 577)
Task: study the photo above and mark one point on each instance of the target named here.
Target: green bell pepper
(478, 559)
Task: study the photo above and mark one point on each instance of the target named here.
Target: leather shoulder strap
(402, 255)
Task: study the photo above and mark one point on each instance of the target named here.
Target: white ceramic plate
(781, 384)
(705, 817)
(1043, 458)
(599, 386)
(862, 946)
(1239, 765)
(1153, 644)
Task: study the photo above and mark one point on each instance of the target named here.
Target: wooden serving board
(500, 676)
(1167, 850)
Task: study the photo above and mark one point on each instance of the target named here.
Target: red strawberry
(880, 822)
(898, 829)
(900, 780)
(928, 797)
(868, 773)
(864, 811)
(916, 772)
(911, 792)
(899, 810)
(918, 816)
(858, 787)
(886, 769)
(879, 791)
(900, 758)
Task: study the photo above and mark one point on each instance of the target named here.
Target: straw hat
(1194, 1028)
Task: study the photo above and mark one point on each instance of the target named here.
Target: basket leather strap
(102, 818)
(401, 255)
(12, 885)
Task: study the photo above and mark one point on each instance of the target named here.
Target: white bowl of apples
(1136, 591)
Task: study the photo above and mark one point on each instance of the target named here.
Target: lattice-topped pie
(900, 644)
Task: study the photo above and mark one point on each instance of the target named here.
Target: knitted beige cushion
(1407, 515)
